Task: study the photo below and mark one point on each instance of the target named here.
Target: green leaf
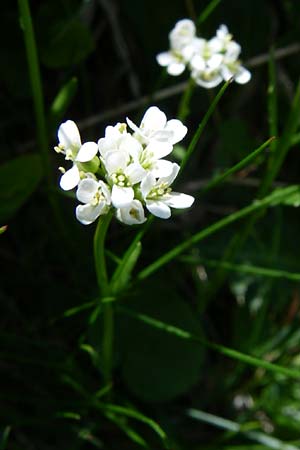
(123, 272)
(18, 180)
(157, 366)
(64, 39)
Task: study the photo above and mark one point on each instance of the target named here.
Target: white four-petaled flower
(70, 145)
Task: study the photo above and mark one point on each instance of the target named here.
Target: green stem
(107, 307)
(240, 165)
(170, 255)
(184, 107)
(202, 125)
(36, 85)
(99, 253)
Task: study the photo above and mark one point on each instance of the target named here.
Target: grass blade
(207, 11)
(231, 353)
(202, 125)
(243, 268)
(240, 165)
(273, 199)
(229, 425)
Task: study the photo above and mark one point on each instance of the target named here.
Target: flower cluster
(125, 171)
(210, 61)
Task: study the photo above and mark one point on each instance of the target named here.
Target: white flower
(70, 145)
(122, 172)
(96, 198)
(155, 127)
(181, 49)
(132, 214)
(234, 69)
(159, 197)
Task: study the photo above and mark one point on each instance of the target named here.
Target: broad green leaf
(18, 180)
(158, 366)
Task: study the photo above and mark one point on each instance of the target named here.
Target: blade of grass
(229, 425)
(128, 412)
(127, 264)
(207, 11)
(240, 165)
(274, 198)
(243, 268)
(272, 99)
(130, 432)
(36, 85)
(284, 143)
(202, 125)
(227, 351)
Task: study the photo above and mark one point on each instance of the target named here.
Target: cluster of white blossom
(124, 170)
(210, 61)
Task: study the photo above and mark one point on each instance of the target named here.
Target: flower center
(98, 197)
(158, 191)
(146, 159)
(120, 179)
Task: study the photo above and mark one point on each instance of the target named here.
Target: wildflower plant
(147, 334)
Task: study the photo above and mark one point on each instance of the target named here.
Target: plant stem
(184, 107)
(36, 85)
(107, 307)
(257, 205)
(202, 125)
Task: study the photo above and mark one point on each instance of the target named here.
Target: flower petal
(153, 120)
(121, 196)
(164, 58)
(70, 178)
(162, 168)
(87, 214)
(170, 178)
(176, 68)
(159, 149)
(87, 189)
(135, 173)
(243, 75)
(115, 160)
(147, 184)
(68, 134)
(132, 214)
(158, 209)
(87, 152)
(179, 200)
(178, 130)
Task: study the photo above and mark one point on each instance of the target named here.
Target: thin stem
(107, 307)
(99, 253)
(240, 165)
(194, 239)
(36, 85)
(184, 107)
(202, 125)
